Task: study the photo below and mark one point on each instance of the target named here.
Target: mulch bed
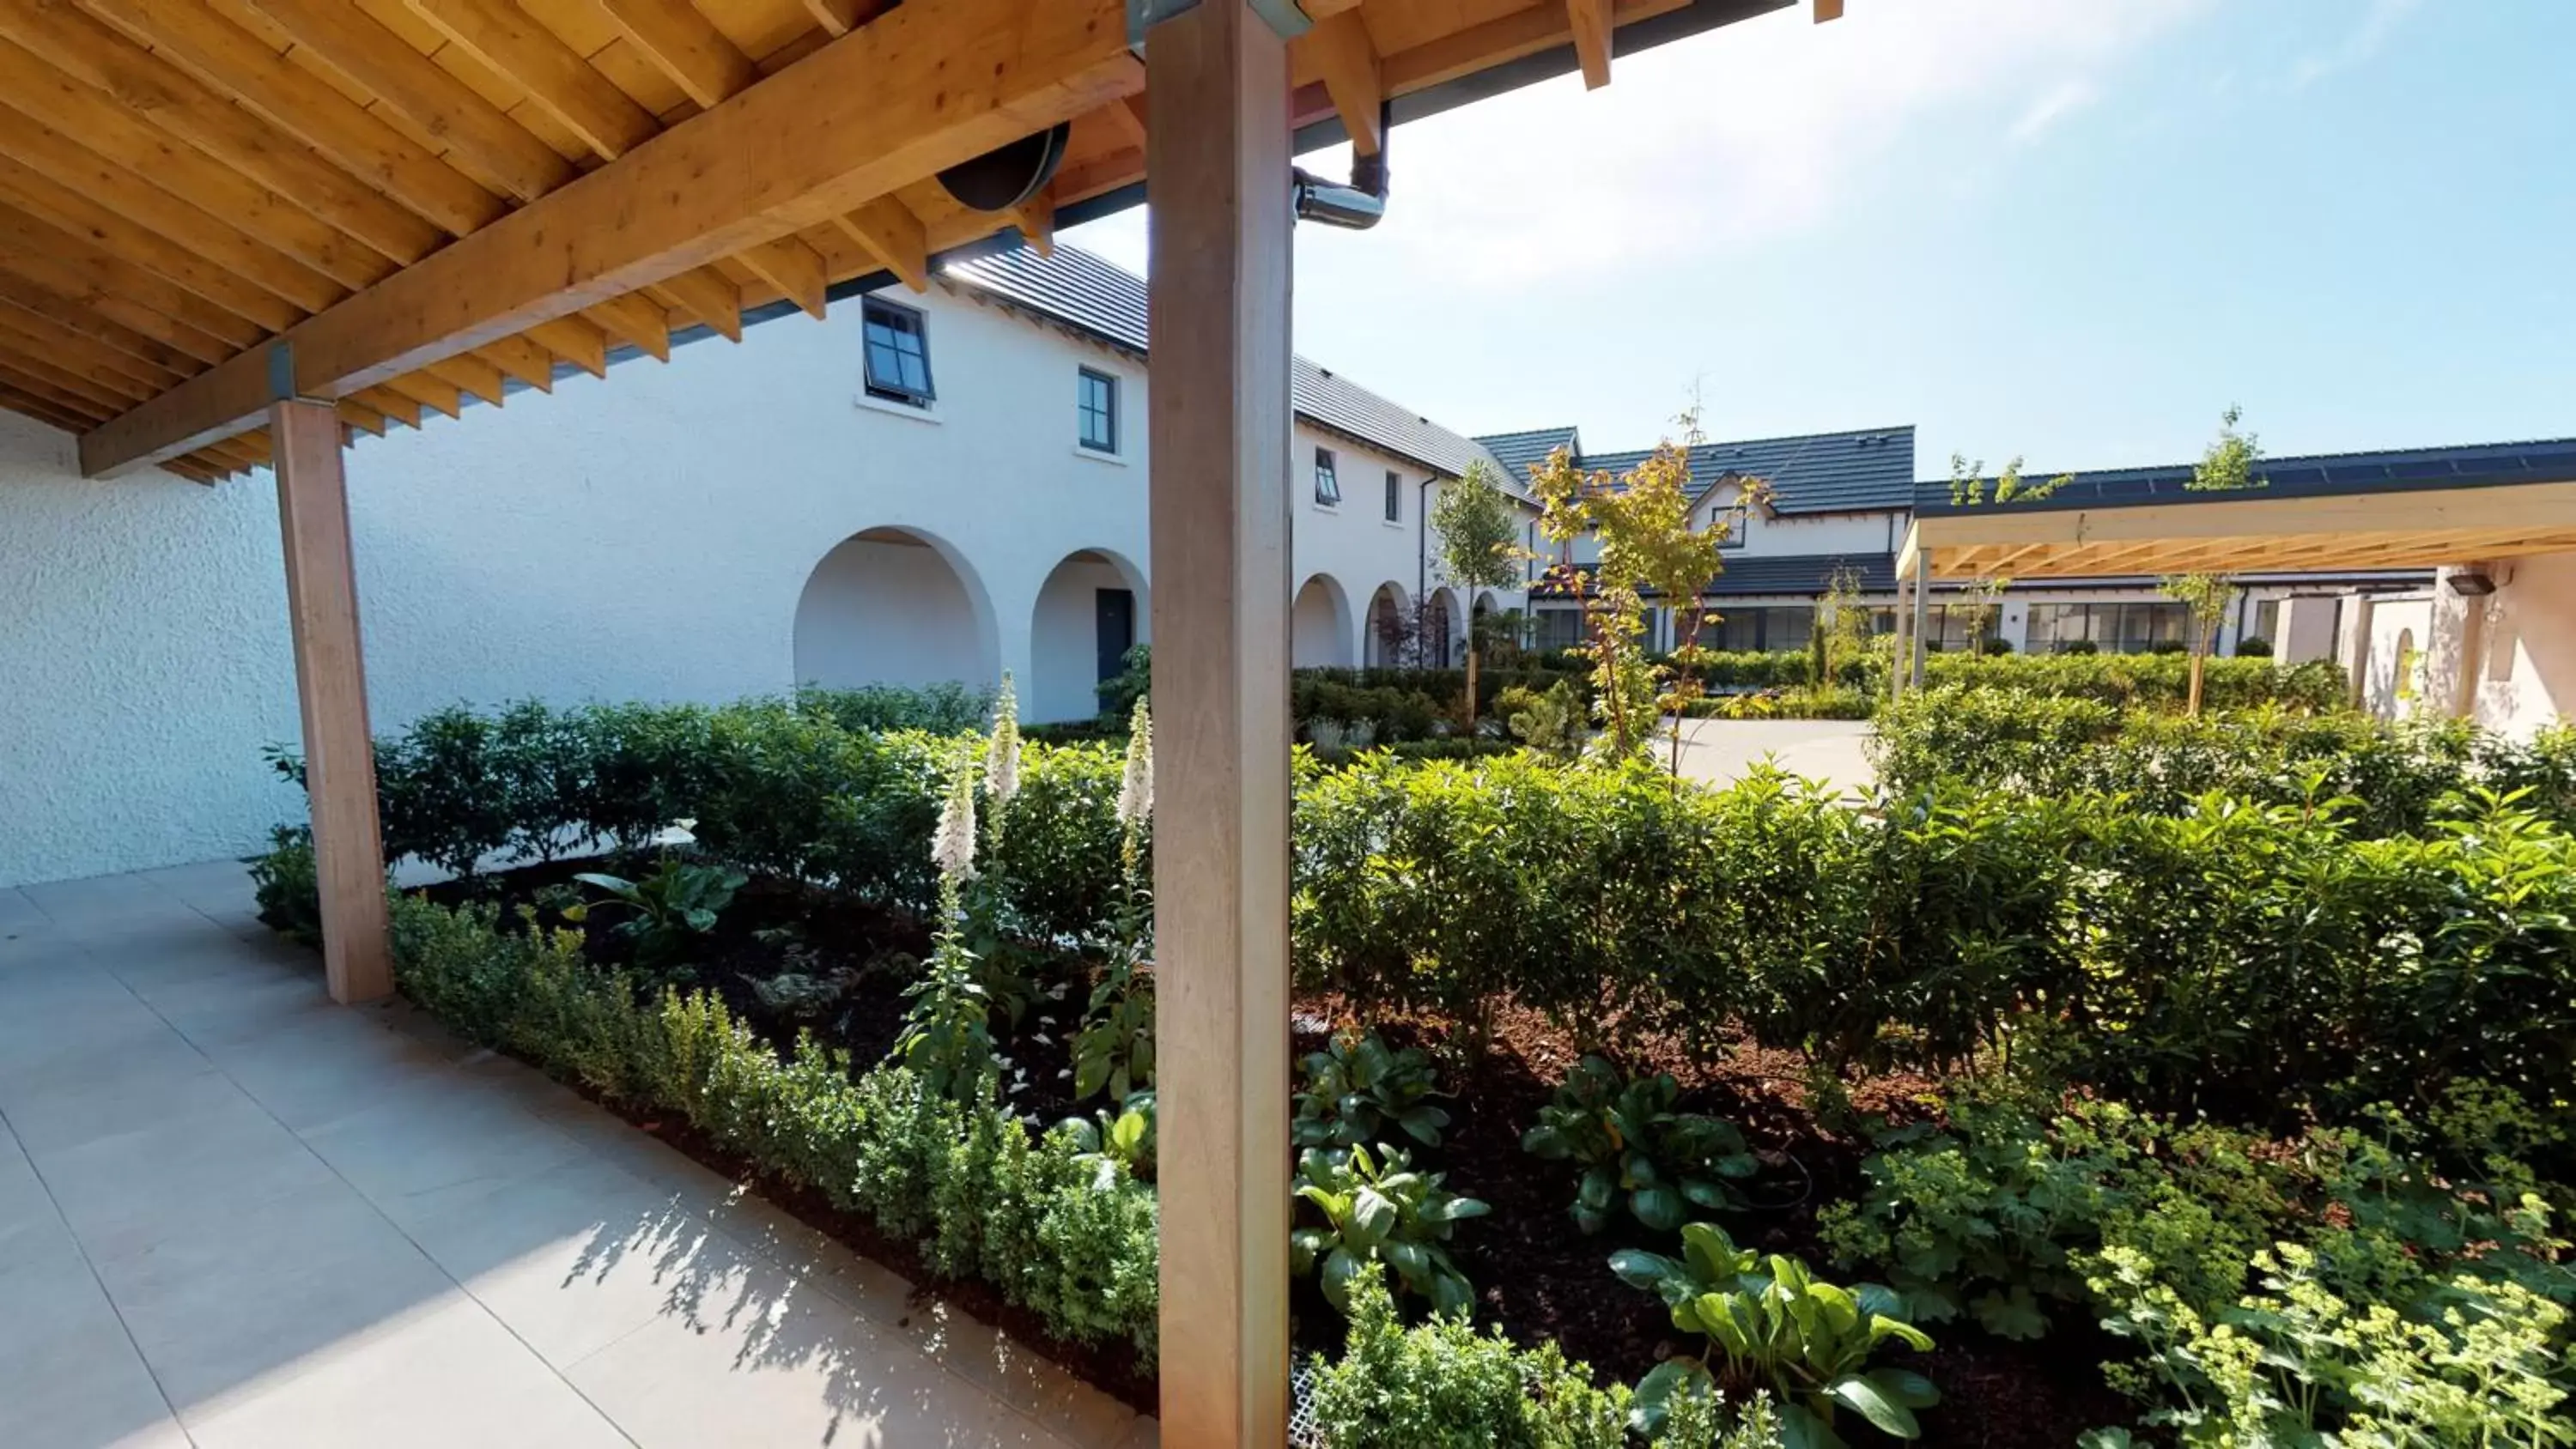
(1537, 1276)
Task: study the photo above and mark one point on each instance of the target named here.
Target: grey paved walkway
(234, 1215)
(1722, 750)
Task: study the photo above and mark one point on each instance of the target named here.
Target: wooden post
(331, 686)
(1217, 150)
(1901, 653)
(1922, 610)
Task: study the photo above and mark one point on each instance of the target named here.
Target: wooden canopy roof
(2417, 509)
(431, 198)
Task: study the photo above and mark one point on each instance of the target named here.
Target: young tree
(1641, 521)
(1982, 598)
(1479, 537)
(1841, 631)
(2206, 598)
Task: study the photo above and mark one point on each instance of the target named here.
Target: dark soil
(1537, 1275)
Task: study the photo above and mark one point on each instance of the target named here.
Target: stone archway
(1092, 606)
(1392, 636)
(1441, 630)
(895, 606)
(1321, 632)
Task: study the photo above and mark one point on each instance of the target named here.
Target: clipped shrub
(1056, 1228)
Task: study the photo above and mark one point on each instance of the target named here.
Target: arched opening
(1090, 610)
(1320, 629)
(895, 606)
(1440, 637)
(1394, 635)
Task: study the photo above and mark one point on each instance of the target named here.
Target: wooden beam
(523, 358)
(1539, 27)
(1347, 59)
(32, 380)
(36, 87)
(77, 277)
(1828, 10)
(708, 295)
(1035, 218)
(72, 317)
(190, 110)
(201, 474)
(889, 228)
(794, 268)
(1126, 116)
(114, 395)
(331, 687)
(360, 416)
(476, 131)
(41, 197)
(1219, 424)
(1590, 21)
(471, 374)
(928, 84)
(687, 46)
(42, 410)
(555, 76)
(425, 388)
(840, 17)
(194, 35)
(635, 320)
(576, 340)
(392, 404)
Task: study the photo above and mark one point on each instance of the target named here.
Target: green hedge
(1066, 1235)
(2230, 953)
(2395, 777)
(2161, 681)
(2234, 957)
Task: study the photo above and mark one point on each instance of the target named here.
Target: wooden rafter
(555, 76)
(793, 267)
(677, 37)
(1340, 49)
(1590, 21)
(890, 230)
(815, 141)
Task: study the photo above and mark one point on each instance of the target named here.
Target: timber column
(1218, 161)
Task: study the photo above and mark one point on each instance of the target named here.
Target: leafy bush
(287, 885)
(945, 708)
(1036, 1217)
(2161, 681)
(1772, 1325)
(664, 910)
(1635, 1150)
(1442, 1385)
(1376, 1213)
(1357, 1088)
(1133, 681)
(2482, 1362)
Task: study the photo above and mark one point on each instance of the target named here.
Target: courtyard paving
(1722, 751)
(235, 1216)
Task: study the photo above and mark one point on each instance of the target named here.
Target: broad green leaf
(1340, 1267)
(1640, 1269)
(1875, 1404)
(1906, 1386)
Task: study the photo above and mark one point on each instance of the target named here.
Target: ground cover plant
(2080, 1082)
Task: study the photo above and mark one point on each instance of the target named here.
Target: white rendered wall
(143, 663)
(2526, 657)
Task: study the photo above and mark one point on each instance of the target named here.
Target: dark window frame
(1084, 412)
(899, 321)
(1328, 480)
(1394, 496)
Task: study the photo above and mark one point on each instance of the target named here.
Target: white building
(941, 486)
(1840, 503)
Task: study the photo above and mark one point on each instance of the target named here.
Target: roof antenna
(1361, 204)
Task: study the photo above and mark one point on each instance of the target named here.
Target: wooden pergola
(2487, 508)
(232, 232)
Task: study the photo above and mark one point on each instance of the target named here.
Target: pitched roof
(1097, 296)
(2314, 475)
(1803, 573)
(1864, 471)
(1520, 453)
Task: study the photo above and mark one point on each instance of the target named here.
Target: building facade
(1835, 505)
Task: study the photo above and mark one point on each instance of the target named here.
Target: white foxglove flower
(1002, 757)
(1136, 792)
(952, 849)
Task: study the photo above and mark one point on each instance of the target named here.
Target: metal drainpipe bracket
(1284, 16)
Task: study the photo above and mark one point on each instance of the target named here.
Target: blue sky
(2069, 229)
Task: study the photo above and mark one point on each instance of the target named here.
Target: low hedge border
(1065, 1234)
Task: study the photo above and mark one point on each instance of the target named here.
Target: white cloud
(2056, 104)
(1740, 136)
(2364, 41)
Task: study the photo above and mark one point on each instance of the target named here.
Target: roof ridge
(2298, 459)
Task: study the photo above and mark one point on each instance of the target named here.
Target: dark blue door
(1114, 613)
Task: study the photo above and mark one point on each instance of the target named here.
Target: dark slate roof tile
(1864, 471)
(2317, 475)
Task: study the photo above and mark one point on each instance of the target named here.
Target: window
(1328, 489)
(1737, 521)
(898, 354)
(1096, 405)
(1394, 496)
(2124, 628)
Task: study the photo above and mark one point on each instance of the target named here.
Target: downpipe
(1354, 207)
